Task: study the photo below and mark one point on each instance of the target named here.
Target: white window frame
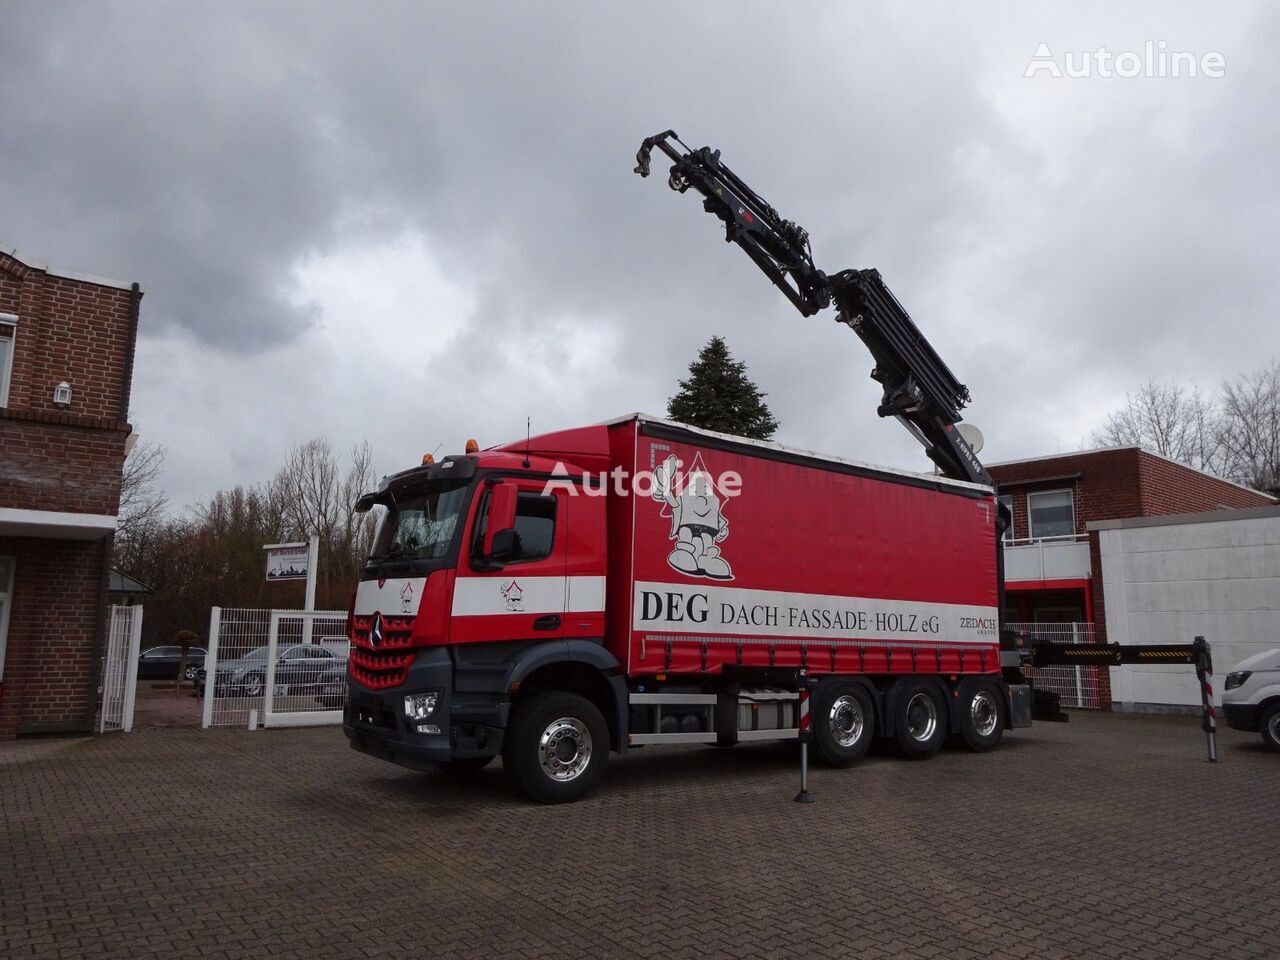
(1031, 526)
(6, 607)
(1007, 500)
(6, 368)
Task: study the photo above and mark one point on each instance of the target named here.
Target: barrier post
(1204, 673)
(803, 795)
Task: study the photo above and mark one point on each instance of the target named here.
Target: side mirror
(501, 517)
(506, 545)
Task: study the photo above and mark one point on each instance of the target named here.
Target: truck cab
(484, 586)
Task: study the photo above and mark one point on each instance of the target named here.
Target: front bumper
(471, 724)
(1241, 716)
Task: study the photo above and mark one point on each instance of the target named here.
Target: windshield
(421, 522)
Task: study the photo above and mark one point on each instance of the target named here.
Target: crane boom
(920, 391)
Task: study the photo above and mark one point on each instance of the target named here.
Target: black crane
(919, 389)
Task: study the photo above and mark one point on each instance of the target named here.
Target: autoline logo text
(1155, 60)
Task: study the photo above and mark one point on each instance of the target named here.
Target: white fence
(298, 658)
(1077, 686)
(120, 669)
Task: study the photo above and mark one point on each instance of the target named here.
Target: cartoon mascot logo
(513, 595)
(697, 519)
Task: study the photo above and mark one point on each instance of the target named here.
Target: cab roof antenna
(528, 435)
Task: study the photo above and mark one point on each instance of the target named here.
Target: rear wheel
(919, 724)
(843, 722)
(556, 747)
(982, 717)
(1270, 726)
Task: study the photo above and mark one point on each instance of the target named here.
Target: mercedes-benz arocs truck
(643, 582)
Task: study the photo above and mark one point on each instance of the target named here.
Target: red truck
(642, 582)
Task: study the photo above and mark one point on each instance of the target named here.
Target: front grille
(397, 632)
(378, 671)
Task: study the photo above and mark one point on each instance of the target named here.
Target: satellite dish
(972, 436)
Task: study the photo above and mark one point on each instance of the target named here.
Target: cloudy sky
(417, 222)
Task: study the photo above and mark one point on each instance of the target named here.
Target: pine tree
(719, 396)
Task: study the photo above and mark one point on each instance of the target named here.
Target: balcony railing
(1047, 558)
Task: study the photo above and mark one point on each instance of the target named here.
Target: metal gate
(1077, 686)
(306, 668)
(120, 669)
(245, 682)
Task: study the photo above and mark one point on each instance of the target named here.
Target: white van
(1251, 697)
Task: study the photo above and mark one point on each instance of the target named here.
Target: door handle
(550, 622)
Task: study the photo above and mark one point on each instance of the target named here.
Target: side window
(536, 525)
(8, 333)
(1052, 514)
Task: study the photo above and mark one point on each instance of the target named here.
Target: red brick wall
(1171, 488)
(68, 330)
(51, 663)
(64, 461)
(52, 462)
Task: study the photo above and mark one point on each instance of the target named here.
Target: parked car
(331, 691)
(301, 666)
(1251, 696)
(161, 663)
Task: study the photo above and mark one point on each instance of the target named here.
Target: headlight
(1238, 678)
(420, 706)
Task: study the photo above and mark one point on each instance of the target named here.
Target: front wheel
(1270, 726)
(843, 722)
(556, 747)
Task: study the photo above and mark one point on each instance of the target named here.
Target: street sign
(287, 561)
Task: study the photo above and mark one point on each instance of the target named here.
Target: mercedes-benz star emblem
(375, 632)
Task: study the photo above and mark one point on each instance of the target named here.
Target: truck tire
(843, 721)
(1269, 724)
(981, 717)
(556, 747)
(919, 719)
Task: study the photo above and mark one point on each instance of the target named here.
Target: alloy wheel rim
(922, 717)
(846, 720)
(564, 749)
(983, 713)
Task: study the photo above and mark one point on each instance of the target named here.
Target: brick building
(66, 362)
(1053, 565)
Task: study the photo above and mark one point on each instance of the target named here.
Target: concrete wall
(1170, 579)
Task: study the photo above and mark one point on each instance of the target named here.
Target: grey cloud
(208, 152)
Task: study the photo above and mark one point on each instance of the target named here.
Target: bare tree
(142, 502)
(1250, 429)
(1169, 419)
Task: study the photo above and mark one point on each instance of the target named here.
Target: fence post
(210, 667)
(1204, 673)
(131, 666)
(803, 795)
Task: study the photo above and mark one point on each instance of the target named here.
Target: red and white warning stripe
(804, 710)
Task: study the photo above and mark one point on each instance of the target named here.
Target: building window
(1007, 500)
(1051, 514)
(6, 600)
(8, 334)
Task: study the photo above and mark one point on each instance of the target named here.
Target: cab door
(524, 597)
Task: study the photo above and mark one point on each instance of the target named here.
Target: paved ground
(162, 706)
(1107, 837)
